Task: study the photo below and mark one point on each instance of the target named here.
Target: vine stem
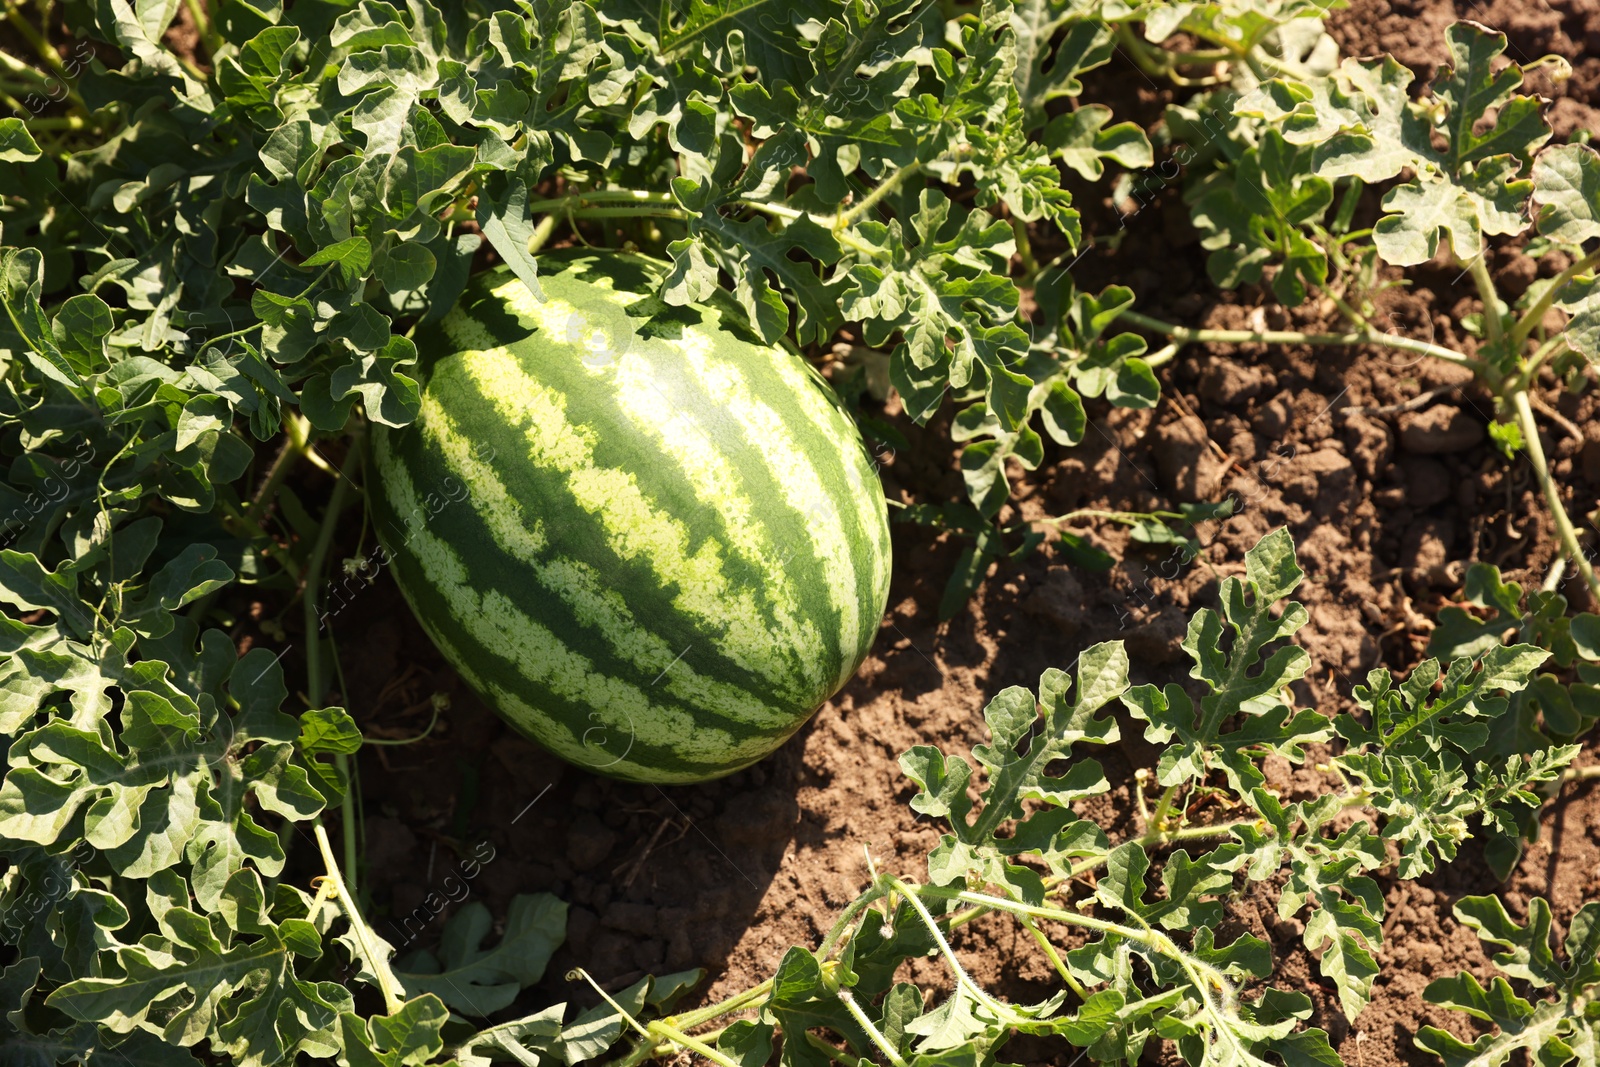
(1532, 317)
(1581, 774)
(888, 1050)
(47, 53)
(690, 1019)
(1147, 839)
(872, 199)
(1185, 335)
(1530, 369)
(659, 1030)
(635, 203)
(296, 441)
(599, 196)
(694, 1044)
(1002, 1011)
(1541, 470)
(388, 984)
(1492, 326)
(1119, 516)
(1159, 817)
(1145, 57)
(1030, 266)
(842, 923)
(835, 1053)
(1204, 977)
(1053, 956)
(7, 100)
(45, 50)
(541, 234)
(202, 25)
(315, 684)
(628, 211)
(21, 69)
(1162, 355)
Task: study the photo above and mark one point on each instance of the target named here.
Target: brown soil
(1386, 511)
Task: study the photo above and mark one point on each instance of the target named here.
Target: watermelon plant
(1147, 963)
(1465, 163)
(254, 281)
(1558, 706)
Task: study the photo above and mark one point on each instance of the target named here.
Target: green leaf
(16, 144)
(1566, 193)
(481, 981)
(1082, 141)
(801, 1000)
(1556, 1029)
(506, 226)
(201, 982)
(1271, 573)
(1361, 121)
(407, 267)
(350, 258)
(1043, 74)
(329, 730)
(1409, 719)
(80, 329)
(1017, 763)
(24, 583)
(1253, 217)
(408, 1038)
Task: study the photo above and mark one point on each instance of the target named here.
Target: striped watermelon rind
(650, 542)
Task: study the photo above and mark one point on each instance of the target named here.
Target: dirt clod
(588, 841)
(1426, 552)
(1058, 600)
(1230, 383)
(1427, 481)
(1185, 464)
(631, 918)
(1439, 430)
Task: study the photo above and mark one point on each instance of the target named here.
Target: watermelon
(652, 543)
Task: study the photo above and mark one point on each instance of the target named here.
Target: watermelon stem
(1001, 1010)
(881, 190)
(315, 682)
(1366, 336)
(659, 1029)
(388, 984)
(888, 1050)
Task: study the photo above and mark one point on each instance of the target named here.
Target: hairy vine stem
(1534, 316)
(1513, 389)
(388, 984)
(638, 203)
(1185, 335)
(1492, 327)
(315, 683)
(46, 52)
(1552, 495)
(872, 199)
(872, 1031)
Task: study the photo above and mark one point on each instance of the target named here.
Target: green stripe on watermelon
(633, 492)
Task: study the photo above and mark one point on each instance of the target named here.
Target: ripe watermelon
(651, 542)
